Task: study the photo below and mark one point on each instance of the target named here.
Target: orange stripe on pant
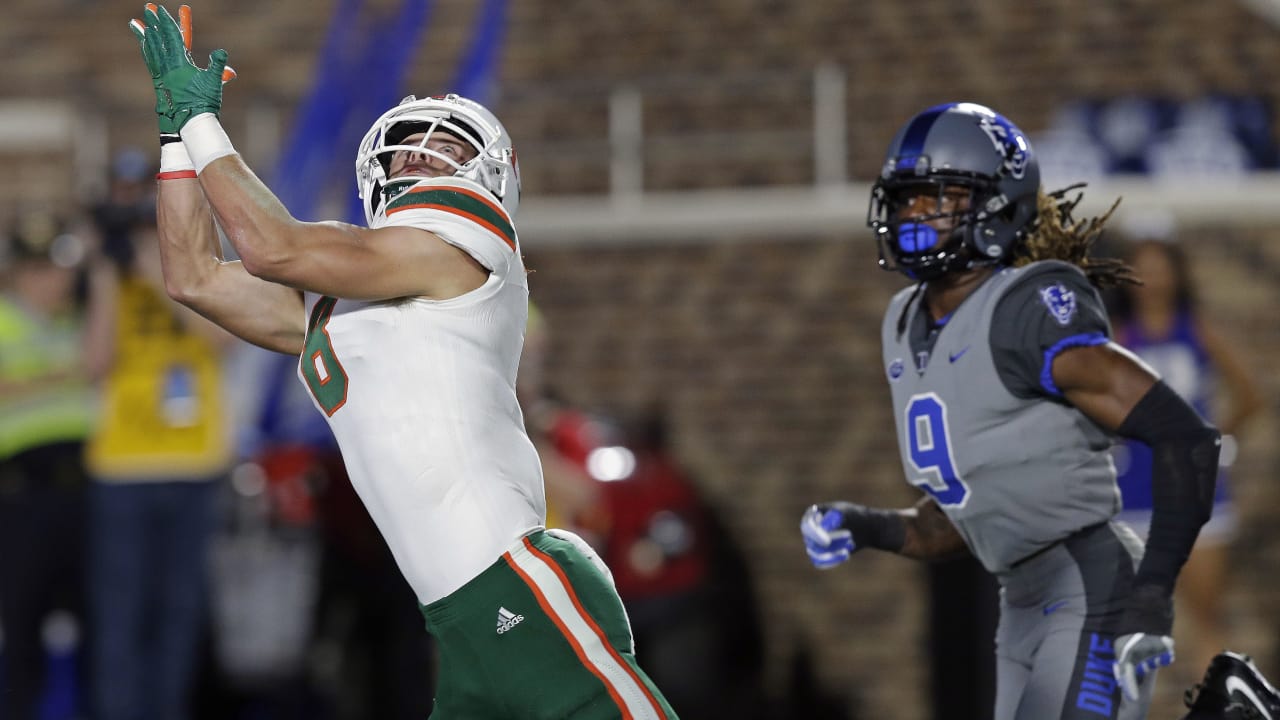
(564, 579)
(564, 630)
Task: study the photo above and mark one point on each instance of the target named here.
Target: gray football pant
(1054, 643)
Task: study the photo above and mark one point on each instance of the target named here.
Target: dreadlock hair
(1059, 236)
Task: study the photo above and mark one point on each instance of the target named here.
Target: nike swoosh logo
(956, 356)
(1236, 685)
(1051, 609)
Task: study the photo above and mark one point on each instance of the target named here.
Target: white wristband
(205, 139)
(174, 158)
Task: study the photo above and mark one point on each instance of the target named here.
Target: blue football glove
(825, 538)
(1139, 655)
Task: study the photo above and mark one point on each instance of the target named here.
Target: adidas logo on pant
(507, 620)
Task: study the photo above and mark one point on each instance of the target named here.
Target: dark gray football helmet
(955, 146)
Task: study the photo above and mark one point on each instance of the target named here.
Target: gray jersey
(1013, 465)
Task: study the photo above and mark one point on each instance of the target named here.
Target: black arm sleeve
(872, 527)
(1185, 450)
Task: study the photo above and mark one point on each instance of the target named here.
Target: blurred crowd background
(176, 528)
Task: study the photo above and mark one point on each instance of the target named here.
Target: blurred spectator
(130, 199)
(263, 589)
(161, 444)
(312, 618)
(683, 580)
(1161, 322)
(371, 658)
(48, 353)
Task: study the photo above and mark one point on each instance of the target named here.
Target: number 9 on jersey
(929, 448)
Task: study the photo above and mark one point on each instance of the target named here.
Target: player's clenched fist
(825, 539)
(835, 530)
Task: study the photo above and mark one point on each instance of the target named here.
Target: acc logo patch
(1060, 301)
(895, 369)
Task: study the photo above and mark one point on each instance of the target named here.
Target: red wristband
(175, 174)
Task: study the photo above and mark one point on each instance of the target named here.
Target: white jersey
(421, 397)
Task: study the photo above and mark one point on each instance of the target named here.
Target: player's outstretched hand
(825, 537)
(183, 90)
(184, 25)
(1137, 656)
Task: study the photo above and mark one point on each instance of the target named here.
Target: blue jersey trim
(1082, 340)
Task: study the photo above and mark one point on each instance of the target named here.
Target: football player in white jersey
(408, 333)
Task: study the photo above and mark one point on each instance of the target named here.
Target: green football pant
(540, 634)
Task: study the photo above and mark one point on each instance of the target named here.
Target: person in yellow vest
(162, 443)
(46, 411)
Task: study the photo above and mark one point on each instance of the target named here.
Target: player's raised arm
(260, 312)
(264, 313)
(328, 258)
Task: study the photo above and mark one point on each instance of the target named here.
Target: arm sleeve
(462, 214)
(1184, 451)
(1039, 317)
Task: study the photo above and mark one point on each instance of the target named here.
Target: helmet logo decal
(1009, 142)
(1060, 301)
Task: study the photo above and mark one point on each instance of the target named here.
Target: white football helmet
(494, 167)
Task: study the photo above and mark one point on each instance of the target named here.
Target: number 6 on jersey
(321, 368)
(930, 451)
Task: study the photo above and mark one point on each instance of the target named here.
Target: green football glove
(183, 90)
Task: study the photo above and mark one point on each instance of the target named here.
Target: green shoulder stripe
(459, 201)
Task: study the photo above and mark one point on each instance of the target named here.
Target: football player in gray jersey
(1007, 394)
